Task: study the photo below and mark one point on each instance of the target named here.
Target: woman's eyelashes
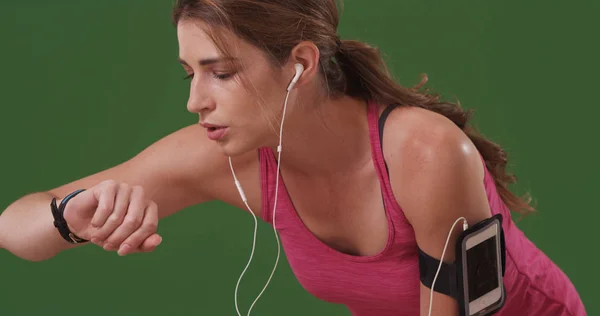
(220, 76)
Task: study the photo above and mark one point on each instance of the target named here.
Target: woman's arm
(174, 173)
(438, 178)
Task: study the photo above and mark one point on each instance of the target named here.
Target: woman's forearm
(27, 229)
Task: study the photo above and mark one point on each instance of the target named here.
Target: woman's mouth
(215, 132)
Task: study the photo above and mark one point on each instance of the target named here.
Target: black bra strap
(383, 118)
(384, 115)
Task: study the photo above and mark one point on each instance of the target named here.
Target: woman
(370, 171)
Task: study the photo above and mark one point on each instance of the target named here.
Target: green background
(88, 84)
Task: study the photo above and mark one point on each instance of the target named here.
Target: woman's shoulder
(436, 174)
(415, 134)
(426, 153)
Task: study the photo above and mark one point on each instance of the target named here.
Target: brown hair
(348, 67)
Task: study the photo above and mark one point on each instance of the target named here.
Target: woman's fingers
(105, 194)
(123, 219)
(150, 243)
(115, 219)
(132, 221)
(141, 240)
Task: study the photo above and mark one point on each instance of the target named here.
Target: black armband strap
(59, 221)
(446, 282)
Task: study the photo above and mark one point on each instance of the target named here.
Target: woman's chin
(233, 149)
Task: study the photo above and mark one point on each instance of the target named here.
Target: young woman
(370, 172)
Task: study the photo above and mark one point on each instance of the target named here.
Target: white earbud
(299, 70)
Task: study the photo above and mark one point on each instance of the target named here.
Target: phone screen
(482, 268)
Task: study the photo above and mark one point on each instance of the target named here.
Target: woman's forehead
(196, 43)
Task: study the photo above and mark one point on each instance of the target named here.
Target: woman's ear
(307, 54)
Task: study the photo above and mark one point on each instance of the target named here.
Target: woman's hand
(115, 216)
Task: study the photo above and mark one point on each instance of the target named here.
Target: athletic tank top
(387, 284)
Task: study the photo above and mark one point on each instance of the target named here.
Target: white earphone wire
(465, 227)
(239, 187)
(243, 196)
(279, 149)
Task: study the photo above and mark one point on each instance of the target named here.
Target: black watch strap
(59, 220)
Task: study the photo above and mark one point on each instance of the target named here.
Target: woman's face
(245, 117)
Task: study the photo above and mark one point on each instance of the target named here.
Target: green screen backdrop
(87, 84)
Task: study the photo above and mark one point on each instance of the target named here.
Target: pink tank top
(387, 284)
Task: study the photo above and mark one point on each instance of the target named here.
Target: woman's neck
(327, 139)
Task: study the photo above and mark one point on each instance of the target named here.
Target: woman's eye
(222, 76)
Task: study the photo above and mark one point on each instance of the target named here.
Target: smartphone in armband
(479, 262)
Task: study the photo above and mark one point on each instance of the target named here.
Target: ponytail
(367, 77)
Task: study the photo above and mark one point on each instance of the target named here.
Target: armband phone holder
(475, 279)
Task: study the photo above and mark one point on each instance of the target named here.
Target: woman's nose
(199, 100)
